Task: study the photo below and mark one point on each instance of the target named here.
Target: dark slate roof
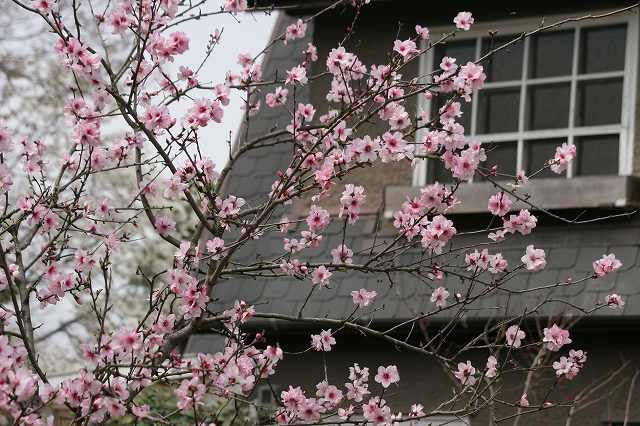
(254, 172)
(570, 253)
(570, 249)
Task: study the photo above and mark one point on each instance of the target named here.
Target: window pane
(501, 154)
(443, 98)
(505, 64)
(548, 106)
(536, 154)
(551, 54)
(602, 49)
(597, 155)
(498, 110)
(599, 102)
(437, 173)
(463, 51)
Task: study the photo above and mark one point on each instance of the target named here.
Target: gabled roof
(570, 249)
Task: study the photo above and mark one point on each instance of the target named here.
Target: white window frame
(514, 27)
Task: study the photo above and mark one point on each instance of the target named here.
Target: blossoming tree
(59, 242)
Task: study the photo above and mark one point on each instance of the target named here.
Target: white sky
(246, 33)
(249, 35)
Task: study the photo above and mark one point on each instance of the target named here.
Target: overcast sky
(246, 33)
(250, 35)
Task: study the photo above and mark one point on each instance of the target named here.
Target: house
(578, 83)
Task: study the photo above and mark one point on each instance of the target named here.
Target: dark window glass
(536, 154)
(503, 65)
(551, 54)
(463, 51)
(498, 110)
(501, 154)
(548, 106)
(437, 173)
(599, 102)
(597, 155)
(602, 49)
(465, 119)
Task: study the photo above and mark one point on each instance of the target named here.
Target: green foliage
(162, 401)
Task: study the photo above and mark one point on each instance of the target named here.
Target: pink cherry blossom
(417, 410)
(499, 204)
(491, 369)
(614, 301)
(363, 297)
(274, 353)
(119, 20)
(87, 133)
(235, 6)
(141, 411)
(497, 264)
(606, 265)
(423, 32)
(376, 411)
(295, 31)
(278, 97)
(155, 118)
(470, 77)
(437, 233)
(78, 215)
(329, 394)
(463, 21)
(555, 338)
(323, 342)
(563, 157)
(439, 297)
(477, 260)
(321, 275)
(466, 373)
(387, 375)
(165, 225)
(566, 367)
(351, 202)
(129, 340)
(514, 336)
(216, 247)
(230, 206)
(44, 6)
(318, 218)
(406, 48)
(579, 357)
(297, 75)
(524, 222)
(534, 259)
(342, 255)
(345, 413)
(311, 52)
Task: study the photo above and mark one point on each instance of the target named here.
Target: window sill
(551, 194)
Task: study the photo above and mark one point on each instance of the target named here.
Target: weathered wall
(424, 381)
(371, 42)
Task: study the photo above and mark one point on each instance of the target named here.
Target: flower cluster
(570, 366)
(606, 265)
(296, 406)
(351, 202)
(481, 261)
(67, 238)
